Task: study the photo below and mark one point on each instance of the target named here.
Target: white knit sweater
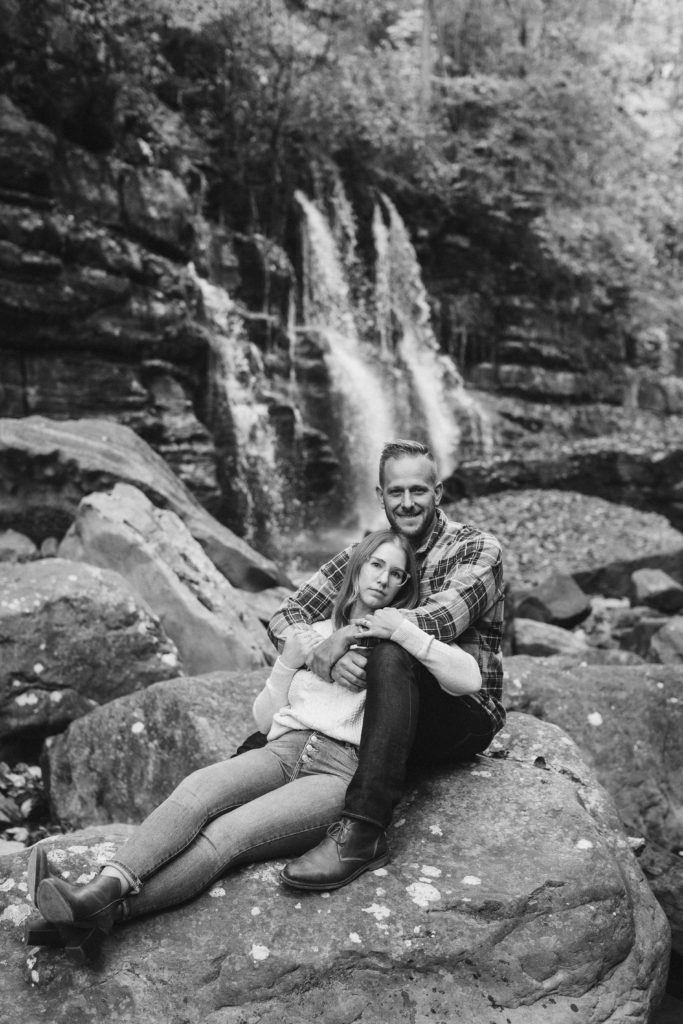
(299, 699)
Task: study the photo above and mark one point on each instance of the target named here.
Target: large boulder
(152, 548)
(47, 467)
(72, 636)
(557, 599)
(511, 898)
(628, 722)
(121, 760)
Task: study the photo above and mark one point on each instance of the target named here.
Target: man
(407, 714)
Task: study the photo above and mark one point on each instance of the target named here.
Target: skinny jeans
(277, 801)
(408, 719)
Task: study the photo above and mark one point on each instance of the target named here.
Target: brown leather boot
(349, 848)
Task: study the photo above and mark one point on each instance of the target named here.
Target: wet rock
(462, 916)
(656, 589)
(118, 762)
(628, 722)
(72, 636)
(47, 466)
(154, 551)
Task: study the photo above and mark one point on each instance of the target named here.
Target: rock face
(628, 722)
(72, 636)
(117, 763)
(463, 917)
(199, 609)
(46, 467)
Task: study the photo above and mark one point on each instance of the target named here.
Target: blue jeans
(408, 719)
(274, 802)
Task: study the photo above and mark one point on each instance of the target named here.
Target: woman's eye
(375, 564)
(396, 575)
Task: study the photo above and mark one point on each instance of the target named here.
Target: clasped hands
(335, 658)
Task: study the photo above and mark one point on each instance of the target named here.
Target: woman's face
(381, 576)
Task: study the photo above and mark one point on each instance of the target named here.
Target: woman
(276, 801)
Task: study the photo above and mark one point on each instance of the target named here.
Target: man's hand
(327, 652)
(350, 670)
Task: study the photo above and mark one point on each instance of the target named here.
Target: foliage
(524, 125)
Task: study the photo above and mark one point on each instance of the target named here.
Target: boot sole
(56, 908)
(53, 906)
(325, 886)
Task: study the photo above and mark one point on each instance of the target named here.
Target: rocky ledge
(512, 895)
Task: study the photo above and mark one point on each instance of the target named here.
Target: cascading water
(441, 399)
(241, 421)
(393, 382)
(366, 409)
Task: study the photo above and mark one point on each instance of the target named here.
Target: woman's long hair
(407, 596)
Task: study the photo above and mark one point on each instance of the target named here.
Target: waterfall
(355, 372)
(380, 236)
(250, 463)
(438, 388)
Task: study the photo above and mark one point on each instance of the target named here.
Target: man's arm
(463, 585)
(312, 602)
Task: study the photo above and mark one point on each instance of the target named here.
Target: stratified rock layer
(511, 898)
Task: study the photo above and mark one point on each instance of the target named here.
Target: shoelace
(337, 831)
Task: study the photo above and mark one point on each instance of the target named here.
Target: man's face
(410, 495)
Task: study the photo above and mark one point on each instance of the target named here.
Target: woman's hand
(381, 624)
(298, 645)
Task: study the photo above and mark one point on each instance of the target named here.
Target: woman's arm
(274, 694)
(455, 670)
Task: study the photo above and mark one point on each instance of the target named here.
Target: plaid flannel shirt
(461, 600)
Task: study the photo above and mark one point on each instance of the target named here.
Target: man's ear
(438, 492)
(380, 496)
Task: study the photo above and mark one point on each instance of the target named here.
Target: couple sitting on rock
(390, 653)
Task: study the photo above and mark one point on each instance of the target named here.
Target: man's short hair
(398, 449)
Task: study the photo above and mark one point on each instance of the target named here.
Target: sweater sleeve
(273, 696)
(455, 670)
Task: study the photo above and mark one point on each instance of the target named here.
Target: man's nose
(407, 498)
